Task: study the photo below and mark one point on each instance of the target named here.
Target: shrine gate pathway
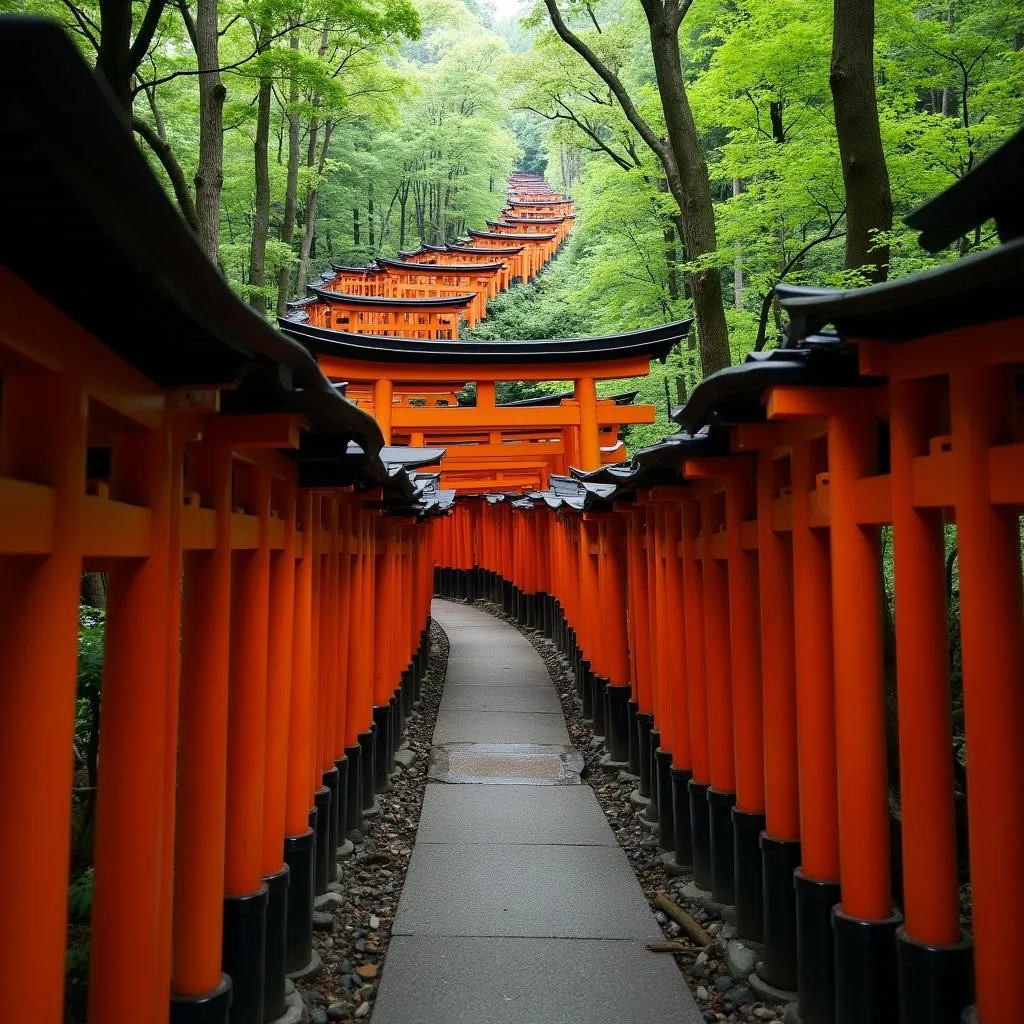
(519, 906)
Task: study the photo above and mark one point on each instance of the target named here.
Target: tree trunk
(117, 56)
(312, 198)
(210, 170)
(261, 211)
(369, 217)
(403, 198)
(852, 80)
(291, 195)
(355, 226)
(668, 235)
(692, 191)
(737, 263)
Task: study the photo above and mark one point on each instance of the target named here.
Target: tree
(852, 80)
(681, 156)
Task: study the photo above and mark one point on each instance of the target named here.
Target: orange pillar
(43, 427)
(202, 739)
(722, 794)
(817, 879)
(128, 845)
(992, 636)
(780, 845)
(930, 868)
(585, 392)
(383, 400)
(245, 891)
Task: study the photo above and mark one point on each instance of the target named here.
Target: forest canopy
(714, 147)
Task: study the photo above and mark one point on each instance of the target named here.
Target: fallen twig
(683, 919)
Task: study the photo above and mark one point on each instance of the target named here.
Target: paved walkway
(519, 907)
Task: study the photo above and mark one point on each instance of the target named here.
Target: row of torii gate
(272, 546)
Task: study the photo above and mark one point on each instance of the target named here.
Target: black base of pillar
(276, 957)
(342, 797)
(747, 827)
(723, 863)
(666, 819)
(680, 783)
(382, 749)
(298, 856)
(779, 859)
(616, 736)
(324, 862)
(645, 723)
(405, 698)
(598, 702)
(587, 693)
(633, 733)
(367, 741)
(936, 982)
(866, 983)
(815, 956)
(243, 953)
(700, 834)
(332, 780)
(353, 789)
(651, 812)
(209, 1008)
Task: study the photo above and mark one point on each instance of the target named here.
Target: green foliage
(80, 897)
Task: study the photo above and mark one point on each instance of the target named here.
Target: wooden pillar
(585, 392)
(248, 692)
(128, 846)
(299, 795)
(43, 428)
(203, 736)
(383, 398)
(930, 870)
(992, 637)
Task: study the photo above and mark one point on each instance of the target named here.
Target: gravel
(719, 996)
(359, 908)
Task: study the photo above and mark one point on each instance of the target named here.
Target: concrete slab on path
(530, 981)
(499, 727)
(540, 699)
(570, 815)
(502, 668)
(586, 892)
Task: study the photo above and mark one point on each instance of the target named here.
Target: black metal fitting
(276, 956)
(243, 953)
(779, 859)
(324, 862)
(747, 827)
(723, 862)
(866, 975)
(936, 982)
(644, 725)
(815, 949)
(700, 833)
(209, 1008)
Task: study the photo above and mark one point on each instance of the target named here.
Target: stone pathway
(519, 907)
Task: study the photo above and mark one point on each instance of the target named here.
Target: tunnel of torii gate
(271, 562)
(720, 599)
(425, 293)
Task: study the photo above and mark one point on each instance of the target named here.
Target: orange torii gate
(405, 280)
(538, 249)
(383, 316)
(411, 388)
(562, 224)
